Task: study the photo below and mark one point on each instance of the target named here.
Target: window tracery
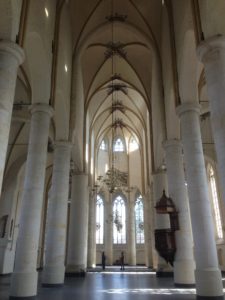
(139, 220)
(118, 145)
(215, 201)
(119, 221)
(133, 145)
(103, 145)
(99, 220)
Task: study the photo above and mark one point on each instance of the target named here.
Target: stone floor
(110, 285)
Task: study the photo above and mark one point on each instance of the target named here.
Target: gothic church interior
(112, 139)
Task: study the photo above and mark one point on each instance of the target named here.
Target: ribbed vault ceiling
(133, 35)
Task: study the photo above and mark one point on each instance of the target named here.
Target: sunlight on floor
(128, 273)
(172, 291)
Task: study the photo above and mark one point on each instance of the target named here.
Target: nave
(112, 147)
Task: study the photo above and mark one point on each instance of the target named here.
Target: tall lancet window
(133, 145)
(139, 220)
(118, 145)
(215, 200)
(99, 220)
(119, 221)
(103, 145)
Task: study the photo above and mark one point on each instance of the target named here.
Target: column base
(76, 274)
(24, 285)
(6, 275)
(209, 284)
(22, 298)
(53, 275)
(75, 270)
(52, 285)
(184, 272)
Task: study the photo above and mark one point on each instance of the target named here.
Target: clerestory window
(133, 145)
(215, 201)
(103, 145)
(118, 145)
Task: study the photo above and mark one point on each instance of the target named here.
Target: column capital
(41, 107)
(207, 48)
(14, 49)
(171, 143)
(63, 143)
(188, 107)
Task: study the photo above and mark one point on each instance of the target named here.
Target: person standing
(122, 261)
(103, 260)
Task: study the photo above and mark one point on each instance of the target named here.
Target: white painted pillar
(24, 278)
(212, 54)
(77, 112)
(108, 235)
(132, 231)
(78, 227)
(91, 261)
(11, 56)
(184, 264)
(54, 268)
(149, 235)
(162, 221)
(207, 273)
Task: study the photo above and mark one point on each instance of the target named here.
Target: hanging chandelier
(118, 221)
(114, 218)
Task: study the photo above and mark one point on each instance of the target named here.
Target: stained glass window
(103, 145)
(215, 201)
(133, 145)
(139, 220)
(99, 220)
(119, 221)
(118, 145)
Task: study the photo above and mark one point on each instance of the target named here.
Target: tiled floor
(110, 286)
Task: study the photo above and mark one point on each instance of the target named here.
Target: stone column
(91, 261)
(207, 273)
(78, 227)
(54, 268)
(184, 264)
(24, 277)
(132, 231)
(212, 54)
(148, 225)
(108, 235)
(162, 221)
(11, 56)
